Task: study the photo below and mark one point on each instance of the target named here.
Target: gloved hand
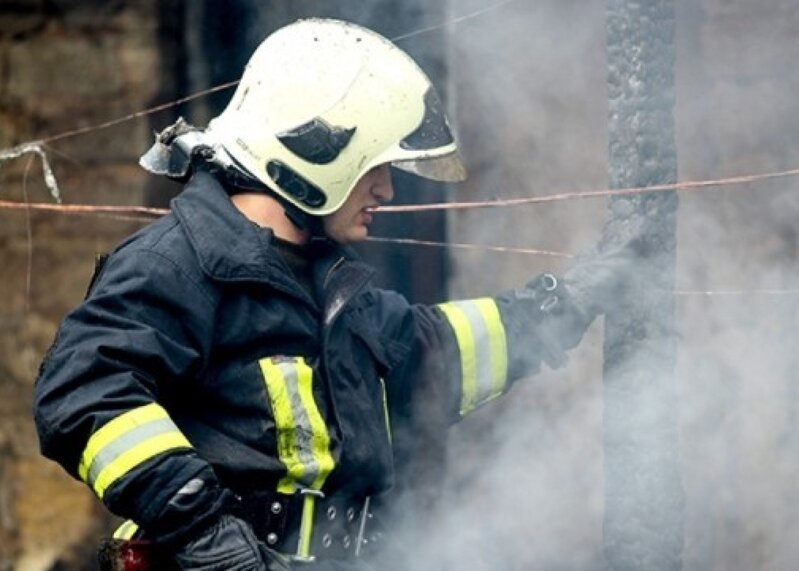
(228, 545)
(602, 277)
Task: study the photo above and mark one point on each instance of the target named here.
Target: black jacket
(173, 364)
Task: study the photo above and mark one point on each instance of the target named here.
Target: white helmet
(321, 102)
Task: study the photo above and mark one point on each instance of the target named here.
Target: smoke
(526, 484)
(527, 86)
(737, 368)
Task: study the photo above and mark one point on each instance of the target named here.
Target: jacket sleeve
(473, 350)
(101, 397)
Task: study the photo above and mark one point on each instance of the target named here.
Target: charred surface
(644, 497)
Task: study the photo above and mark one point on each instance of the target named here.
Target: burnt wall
(63, 65)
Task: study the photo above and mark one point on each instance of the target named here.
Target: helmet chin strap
(302, 220)
(235, 180)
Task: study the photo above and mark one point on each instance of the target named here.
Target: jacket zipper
(328, 327)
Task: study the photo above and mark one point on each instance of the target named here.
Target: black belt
(307, 525)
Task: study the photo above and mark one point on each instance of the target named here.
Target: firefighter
(232, 383)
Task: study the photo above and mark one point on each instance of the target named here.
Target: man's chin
(359, 234)
(355, 235)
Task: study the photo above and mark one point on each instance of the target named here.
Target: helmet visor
(448, 168)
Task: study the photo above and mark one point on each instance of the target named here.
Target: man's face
(350, 222)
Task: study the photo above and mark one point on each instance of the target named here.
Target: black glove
(549, 317)
(602, 277)
(228, 545)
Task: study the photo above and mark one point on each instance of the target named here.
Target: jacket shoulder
(159, 249)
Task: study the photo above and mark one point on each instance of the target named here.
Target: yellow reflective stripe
(480, 336)
(284, 424)
(303, 442)
(126, 530)
(136, 456)
(126, 442)
(465, 340)
(114, 429)
(306, 526)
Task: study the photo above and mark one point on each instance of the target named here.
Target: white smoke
(526, 485)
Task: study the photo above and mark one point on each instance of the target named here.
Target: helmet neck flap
(182, 149)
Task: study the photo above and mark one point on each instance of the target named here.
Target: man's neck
(267, 212)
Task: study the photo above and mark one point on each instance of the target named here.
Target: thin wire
(693, 185)
(138, 114)
(47, 171)
(736, 292)
(679, 292)
(29, 232)
(84, 208)
(64, 155)
(457, 20)
(223, 86)
(147, 214)
(686, 185)
(411, 241)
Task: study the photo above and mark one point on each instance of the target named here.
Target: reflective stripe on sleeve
(126, 442)
(481, 341)
(126, 531)
(303, 442)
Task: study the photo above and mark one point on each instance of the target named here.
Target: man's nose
(383, 189)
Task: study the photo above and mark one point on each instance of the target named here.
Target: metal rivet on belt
(350, 514)
(346, 541)
(327, 540)
(276, 508)
(271, 538)
(331, 513)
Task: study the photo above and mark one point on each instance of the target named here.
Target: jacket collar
(229, 247)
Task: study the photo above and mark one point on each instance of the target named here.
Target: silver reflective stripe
(125, 442)
(302, 424)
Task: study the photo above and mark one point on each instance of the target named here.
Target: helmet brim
(447, 168)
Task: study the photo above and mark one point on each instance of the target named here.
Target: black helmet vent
(316, 141)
